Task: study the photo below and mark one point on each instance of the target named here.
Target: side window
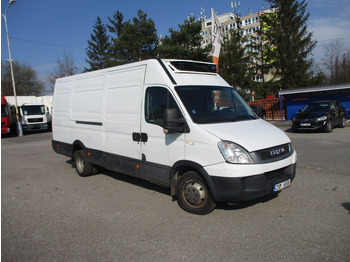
(157, 100)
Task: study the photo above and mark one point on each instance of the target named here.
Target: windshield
(4, 111)
(316, 107)
(33, 110)
(214, 104)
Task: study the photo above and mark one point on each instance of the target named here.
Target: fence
(272, 108)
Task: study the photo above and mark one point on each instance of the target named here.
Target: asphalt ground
(49, 213)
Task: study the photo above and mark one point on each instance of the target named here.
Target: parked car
(324, 115)
(259, 111)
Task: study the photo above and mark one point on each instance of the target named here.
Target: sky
(41, 31)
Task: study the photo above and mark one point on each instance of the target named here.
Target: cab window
(157, 100)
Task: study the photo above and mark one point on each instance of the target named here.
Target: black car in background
(324, 115)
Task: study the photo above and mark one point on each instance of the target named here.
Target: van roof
(179, 72)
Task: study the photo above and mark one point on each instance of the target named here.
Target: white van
(175, 123)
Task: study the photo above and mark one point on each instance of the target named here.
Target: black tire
(343, 122)
(329, 126)
(193, 194)
(82, 167)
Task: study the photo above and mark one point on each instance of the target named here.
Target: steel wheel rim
(194, 193)
(80, 164)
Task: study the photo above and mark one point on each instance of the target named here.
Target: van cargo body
(175, 123)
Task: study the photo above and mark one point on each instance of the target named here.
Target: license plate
(305, 124)
(281, 185)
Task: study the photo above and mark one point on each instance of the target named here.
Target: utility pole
(18, 118)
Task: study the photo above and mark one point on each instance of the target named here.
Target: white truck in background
(35, 117)
(35, 111)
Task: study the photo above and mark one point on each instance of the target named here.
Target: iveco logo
(276, 152)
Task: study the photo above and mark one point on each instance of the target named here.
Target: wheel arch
(77, 145)
(183, 166)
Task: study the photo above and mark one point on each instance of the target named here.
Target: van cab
(176, 123)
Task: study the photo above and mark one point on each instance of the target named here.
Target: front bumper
(5, 130)
(35, 127)
(244, 189)
(250, 187)
(309, 124)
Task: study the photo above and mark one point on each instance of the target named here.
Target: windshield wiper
(242, 117)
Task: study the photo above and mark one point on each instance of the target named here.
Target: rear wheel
(193, 194)
(82, 167)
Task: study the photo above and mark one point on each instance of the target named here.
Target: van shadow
(128, 179)
(136, 181)
(166, 191)
(243, 205)
(346, 206)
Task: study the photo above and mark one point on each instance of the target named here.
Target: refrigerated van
(175, 123)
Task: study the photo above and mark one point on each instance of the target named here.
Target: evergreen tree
(235, 64)
(135, 40)
(98, 50)
(287, 44)
(185, 43)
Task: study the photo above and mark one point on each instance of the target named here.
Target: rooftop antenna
(236, 8)
(202, 16)
(249, 11)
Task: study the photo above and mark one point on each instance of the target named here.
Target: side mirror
(172, 122)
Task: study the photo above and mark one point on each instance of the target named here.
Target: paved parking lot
(49, 213)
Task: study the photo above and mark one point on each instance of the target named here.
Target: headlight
(322, 118)
(233, 153)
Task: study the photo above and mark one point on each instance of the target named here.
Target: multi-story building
(249, 24)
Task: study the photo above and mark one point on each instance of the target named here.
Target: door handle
(144, 137)
(139, 137)
(136, 137)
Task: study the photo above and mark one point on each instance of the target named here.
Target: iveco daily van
(175, 123)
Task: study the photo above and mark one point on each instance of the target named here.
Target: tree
(135, 40)
(317, 77)
(26, 80)
(287, 43)
(65, 67)
(235, 61)
(185, 43)
(336, 63)
(99, 48)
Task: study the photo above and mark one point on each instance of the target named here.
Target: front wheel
(329, 126)
(82, 167)
(343, 122)
(193, 194)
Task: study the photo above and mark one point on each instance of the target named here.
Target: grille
(34, 120)
(280, 152)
